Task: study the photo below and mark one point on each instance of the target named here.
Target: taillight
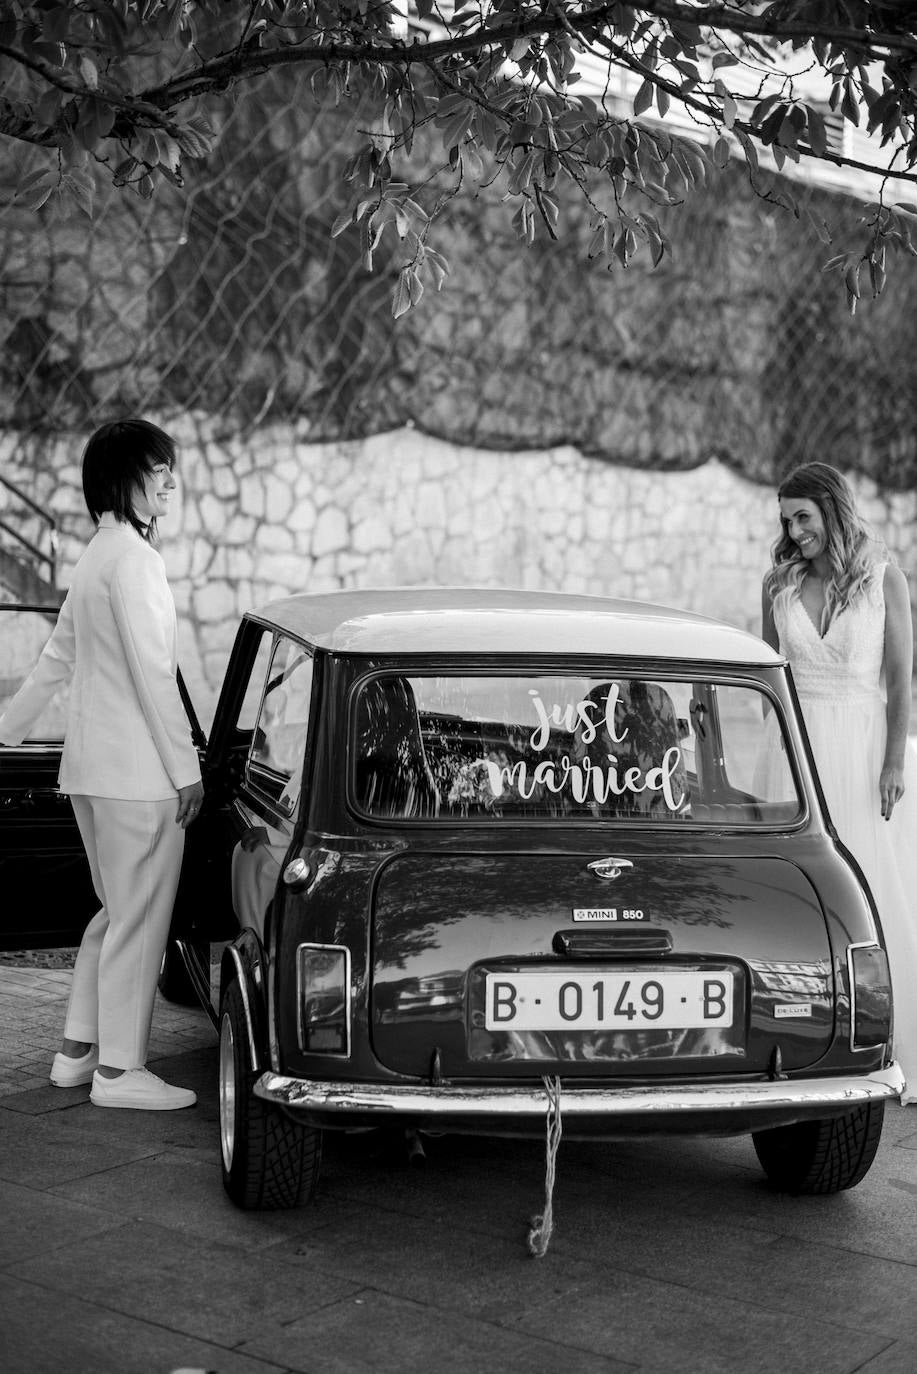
(323, 984)
(870, 997)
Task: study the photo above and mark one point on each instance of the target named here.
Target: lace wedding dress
(838, 677)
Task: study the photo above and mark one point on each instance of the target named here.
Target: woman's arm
(898, 665)
(54, 667)
(768, 627)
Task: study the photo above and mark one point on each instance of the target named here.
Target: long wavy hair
(849, 548)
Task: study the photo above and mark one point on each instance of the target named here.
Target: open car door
(48, 898)
(47, 894)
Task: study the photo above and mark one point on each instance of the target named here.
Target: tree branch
(395, 52)
(13, 124)
(133, 105)
(711, 111)
(743, 22)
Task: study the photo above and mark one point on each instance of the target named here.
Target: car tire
(175, 983)
(269, 1160)
(822, 1156)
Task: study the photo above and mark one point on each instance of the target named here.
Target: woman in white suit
(128, 762)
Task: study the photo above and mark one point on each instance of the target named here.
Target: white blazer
(127, 734)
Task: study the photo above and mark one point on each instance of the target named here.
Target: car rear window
(470, 747)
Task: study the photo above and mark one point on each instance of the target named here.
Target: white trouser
(134, 850)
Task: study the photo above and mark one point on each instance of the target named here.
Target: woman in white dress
(839, 610)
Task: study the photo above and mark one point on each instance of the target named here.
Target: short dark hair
(115, 461)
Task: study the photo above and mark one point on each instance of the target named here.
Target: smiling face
(805, 525)
(153, 498)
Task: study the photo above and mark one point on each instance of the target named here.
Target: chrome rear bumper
(784, 1097)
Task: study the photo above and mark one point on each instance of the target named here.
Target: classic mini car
(466, 846)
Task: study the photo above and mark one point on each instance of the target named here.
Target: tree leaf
(850, 106)
(438, 265)
(401, 298)
(852, 279)
(820, 226)
(89, 72)
(815, 129)
(38, 190)
(80, 187)
(644, 97)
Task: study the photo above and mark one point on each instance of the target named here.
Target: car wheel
(822, 1156)
(174, 980)
(269, 1160)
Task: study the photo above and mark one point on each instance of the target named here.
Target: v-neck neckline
(805, 610)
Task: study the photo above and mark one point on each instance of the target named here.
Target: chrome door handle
(606, 869)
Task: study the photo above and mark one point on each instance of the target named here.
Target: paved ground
(119, 1252)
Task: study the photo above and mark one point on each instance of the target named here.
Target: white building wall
(270, 514)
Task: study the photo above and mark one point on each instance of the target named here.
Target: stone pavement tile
(876, 1217)
(205, 1289)
(782, 1273)
(73, 1336)
(42, 1045)
(387, 1335)
(35, 1222)
(900, 1128)
(674, 1169)
(15, 1081)
(42, 1097)
(473, 1177)
(594, 1228)
(19, 977)
(42, 1151)
(25, 991)
(898, 1358)
(445, 1262)
(674, 1329)
(183, 1192)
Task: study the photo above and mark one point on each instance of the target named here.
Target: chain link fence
(230, 298)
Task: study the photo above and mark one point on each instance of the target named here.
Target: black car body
(471, 847)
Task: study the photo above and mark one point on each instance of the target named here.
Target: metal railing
(46, 562)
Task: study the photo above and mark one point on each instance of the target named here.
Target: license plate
(549, 999)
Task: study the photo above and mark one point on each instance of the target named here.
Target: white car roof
(468, 620)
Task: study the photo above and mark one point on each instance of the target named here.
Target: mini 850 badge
(610, 913)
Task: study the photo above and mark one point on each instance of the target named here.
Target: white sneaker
(140, 1089)
(68, 1071)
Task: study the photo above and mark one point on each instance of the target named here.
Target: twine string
(542, 1226)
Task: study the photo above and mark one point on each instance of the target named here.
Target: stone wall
(272, 514)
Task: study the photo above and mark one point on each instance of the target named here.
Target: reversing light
(870, 997)
(323, 985)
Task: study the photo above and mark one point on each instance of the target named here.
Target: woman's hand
(891, 789)
(190, 800)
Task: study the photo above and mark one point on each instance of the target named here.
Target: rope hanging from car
(542, 1226)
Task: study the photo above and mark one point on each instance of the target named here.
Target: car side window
(277, 755)
(251, 701)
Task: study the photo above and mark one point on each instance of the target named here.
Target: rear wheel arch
(243, 963)
(269, 1159)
